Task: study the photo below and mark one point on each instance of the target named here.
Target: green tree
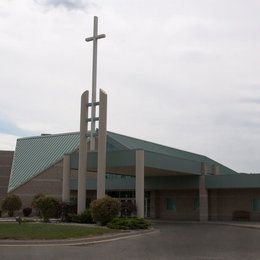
(105, 209)
(47, 206)
(11, 203)
(35, 198)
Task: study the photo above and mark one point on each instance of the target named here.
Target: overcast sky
(182, 73)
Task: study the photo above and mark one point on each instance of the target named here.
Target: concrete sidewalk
(7, 219)
(255, 225)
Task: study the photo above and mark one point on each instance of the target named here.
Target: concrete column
(66, 178)
(102, 145)
(83, 153)
(203, 193)
(139, 182)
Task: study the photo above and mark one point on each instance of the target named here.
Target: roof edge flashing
(47, 135)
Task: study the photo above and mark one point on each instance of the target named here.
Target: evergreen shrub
(34, 203)
(48, 207)
(105, 209)
(11, 203)
(84, 217)
(129, 223)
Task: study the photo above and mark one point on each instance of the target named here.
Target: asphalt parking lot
(172, 241)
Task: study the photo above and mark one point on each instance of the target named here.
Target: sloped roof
(134, 143)
(35, 154)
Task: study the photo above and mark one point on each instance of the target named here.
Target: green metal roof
(134, 143)
(35, 154)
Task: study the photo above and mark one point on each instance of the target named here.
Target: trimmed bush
(35, 198)
(84, 217)
(11, 203)
(105, 209)
(27, 212)
(34, 202)
(129, 223)
(48, 207)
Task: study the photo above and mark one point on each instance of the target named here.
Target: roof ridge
(47, 135)
(162, 145)
(73, 133)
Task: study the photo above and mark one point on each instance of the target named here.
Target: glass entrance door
(147, 204)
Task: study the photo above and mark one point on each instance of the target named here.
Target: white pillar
(139, 182)
(66, 178)
(102, 145)
(82, 153)
(203, 193)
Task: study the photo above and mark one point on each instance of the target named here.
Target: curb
(237, 225)
(78, 241)
(243, 225)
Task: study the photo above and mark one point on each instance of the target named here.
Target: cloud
(251, 100)
(7, 141)
(10, 128)
(68, 4)
(182, 73)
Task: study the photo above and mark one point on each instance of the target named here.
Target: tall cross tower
(101, 135)
(95, 39)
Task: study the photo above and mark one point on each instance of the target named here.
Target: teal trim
(113, 182)
(92, 161)
(123, 158)
(171, 182)
(124, 182)
(170, 163)
(241, 180)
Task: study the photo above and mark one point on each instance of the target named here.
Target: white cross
(94, 38)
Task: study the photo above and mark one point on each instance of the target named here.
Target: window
(170, 204)
(113, 194)
(256, 205)
(196, 203)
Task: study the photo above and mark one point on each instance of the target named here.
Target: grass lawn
(48, 231)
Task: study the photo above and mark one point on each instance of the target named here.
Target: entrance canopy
(159, 160)
(33, 155)
(123, 162)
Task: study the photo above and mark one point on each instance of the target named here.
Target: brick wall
(223, 202)
(6, 159)
(184, 204)
(48, 182)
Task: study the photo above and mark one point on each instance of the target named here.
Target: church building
(178, 185)
(163, 182)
